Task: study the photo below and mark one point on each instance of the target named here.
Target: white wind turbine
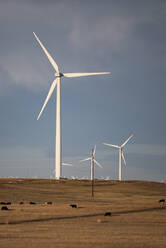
(57, 82)
(121, 155)
(54, 171)
(93, 161)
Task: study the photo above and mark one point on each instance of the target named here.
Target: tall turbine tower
(121, 155)
(57, 82)
(92, 162)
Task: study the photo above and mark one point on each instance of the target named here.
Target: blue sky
(126, 38)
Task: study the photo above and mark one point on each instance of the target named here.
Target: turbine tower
(121, 155)
(63, 164)
(57, 82)
(93, 161)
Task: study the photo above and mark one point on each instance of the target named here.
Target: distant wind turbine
(57, 82)
(121, 155)
(64, 164)
(93, 161)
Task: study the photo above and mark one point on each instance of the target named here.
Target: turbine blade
(123, 158)
(111, 145)
(86, 159)
(127, 141)
(67, 164)
(94, 150)
(98, 164)
(79, 74)
(48, 96)
(53, 63)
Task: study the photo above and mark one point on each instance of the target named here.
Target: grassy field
(137, 220)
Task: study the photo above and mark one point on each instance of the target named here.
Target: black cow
(107, 214)
(32, 203)
(5, 203)
(162, 201)
(73, 205)
(4, 208)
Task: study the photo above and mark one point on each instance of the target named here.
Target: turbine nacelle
(59, 74)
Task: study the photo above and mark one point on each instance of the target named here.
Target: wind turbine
(93, 161)
(121, 155)
(63, 164)
(57, 82)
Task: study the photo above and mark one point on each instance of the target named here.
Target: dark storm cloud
(111, 30)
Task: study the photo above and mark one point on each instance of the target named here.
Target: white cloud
(107, 155)
(22, 69)
(106, 32)
(147, 149)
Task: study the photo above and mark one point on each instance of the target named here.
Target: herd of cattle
(4, 207)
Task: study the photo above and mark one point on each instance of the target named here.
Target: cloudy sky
(128, 39)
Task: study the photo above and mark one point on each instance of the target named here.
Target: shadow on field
(86, 216)
(139, 210)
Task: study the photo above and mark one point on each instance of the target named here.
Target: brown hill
(137, 217)
(41, 190)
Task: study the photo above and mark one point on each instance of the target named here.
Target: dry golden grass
(137, 220)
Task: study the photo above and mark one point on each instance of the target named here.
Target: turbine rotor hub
(58, 74)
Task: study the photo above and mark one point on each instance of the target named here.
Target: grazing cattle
(107, 214)
(21, 203)
(4, 208)
(49, 203)
(32, 203)
(73, 205)
(5, 203)
(162, 201)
